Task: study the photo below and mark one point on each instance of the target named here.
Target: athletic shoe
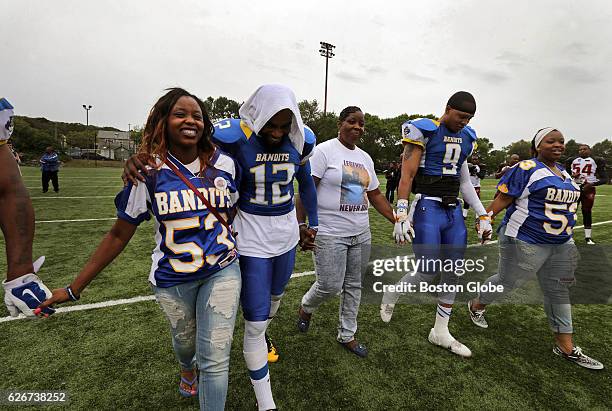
(589, 241)
(577, 357)
(303, 321)
(386, 309)
(448, 341)
(477, 316)
(272, 352)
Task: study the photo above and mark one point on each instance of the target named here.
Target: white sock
(255, 353)
(587, 233)
(442, 316)
(465, 212)
(263, 393)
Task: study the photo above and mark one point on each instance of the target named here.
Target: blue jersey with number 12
(267, 172)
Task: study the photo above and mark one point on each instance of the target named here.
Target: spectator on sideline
(392, 176)
(503, 167)
(49, 164)
(532, 242)
(346, 184)
(195, 274)
(23, 290)
(477, 173)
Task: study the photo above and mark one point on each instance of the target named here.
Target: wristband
(71, 294)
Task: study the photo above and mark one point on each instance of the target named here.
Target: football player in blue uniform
(536, 236)
(195, 273)
(434, 167)
(271, 146)
(23, 289)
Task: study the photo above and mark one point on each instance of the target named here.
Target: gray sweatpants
(340, 263)
(554, 266)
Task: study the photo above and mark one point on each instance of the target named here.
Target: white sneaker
(386, 309)
(448, 341)
(589, 241)
(386, 312)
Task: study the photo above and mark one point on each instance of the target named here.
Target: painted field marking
(76, 221)
(82, 307)
(64, 198)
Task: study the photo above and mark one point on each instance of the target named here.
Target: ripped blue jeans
(554, 266)
(202, 314)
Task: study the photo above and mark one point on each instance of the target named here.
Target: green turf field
(121, 357)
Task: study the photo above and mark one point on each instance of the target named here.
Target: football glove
(402, 231)
(25, 293)
(484, 228)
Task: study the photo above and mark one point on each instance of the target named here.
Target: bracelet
(71, 294)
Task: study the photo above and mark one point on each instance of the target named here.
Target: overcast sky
(529, 64)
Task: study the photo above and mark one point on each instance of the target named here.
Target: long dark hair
(155, 139)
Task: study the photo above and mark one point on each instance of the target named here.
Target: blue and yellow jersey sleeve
(230, 134)
(417, 131)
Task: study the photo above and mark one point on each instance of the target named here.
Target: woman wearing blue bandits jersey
(434, 167)
(195, 273)
(271, 147)
(536, 237)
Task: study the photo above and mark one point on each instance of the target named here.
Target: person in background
(49, 164)
(588, 172)
(477, 173)
(392, 177)
(503, 167)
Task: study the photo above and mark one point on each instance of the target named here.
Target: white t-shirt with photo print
(346, 176)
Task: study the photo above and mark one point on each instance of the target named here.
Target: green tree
(521, 147)
(603, 149)
(310, 111)
(221, 107)
(571, 150)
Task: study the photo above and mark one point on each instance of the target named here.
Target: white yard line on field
(118, 185)
(76, 221)
(64, 198)
(81, 307)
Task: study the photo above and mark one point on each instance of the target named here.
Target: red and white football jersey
(586, 168)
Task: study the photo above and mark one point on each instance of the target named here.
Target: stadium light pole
(87, 107)
(327, 51)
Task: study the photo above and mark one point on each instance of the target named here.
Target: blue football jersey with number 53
(443, 151)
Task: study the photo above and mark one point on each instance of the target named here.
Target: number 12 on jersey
(259, 172)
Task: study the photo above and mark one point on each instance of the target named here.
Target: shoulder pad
(231, 130)
(425, 124)
(470, 131)
(310, 140)
(309, 136)
(526, 164)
